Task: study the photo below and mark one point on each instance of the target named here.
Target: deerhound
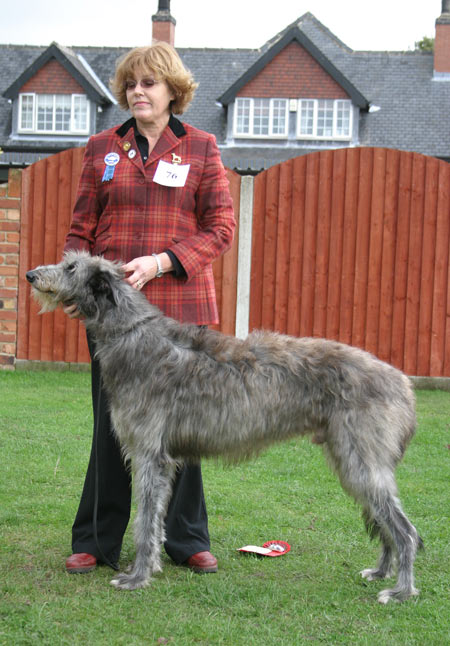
(178, 392)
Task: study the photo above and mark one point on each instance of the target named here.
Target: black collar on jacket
(174, 124)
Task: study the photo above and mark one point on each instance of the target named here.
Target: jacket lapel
(129, 151)
(167, 142)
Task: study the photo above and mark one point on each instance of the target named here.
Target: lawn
(312, 595)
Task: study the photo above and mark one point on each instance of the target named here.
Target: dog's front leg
(153, 481)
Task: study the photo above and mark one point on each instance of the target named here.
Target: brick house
(303, 90)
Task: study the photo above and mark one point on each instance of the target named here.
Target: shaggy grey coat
(182, 393)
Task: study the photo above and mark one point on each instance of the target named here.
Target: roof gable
(294, 34)
(52, 78)
(73, 65)
(293, 73)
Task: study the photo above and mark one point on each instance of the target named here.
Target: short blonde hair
(163, 62)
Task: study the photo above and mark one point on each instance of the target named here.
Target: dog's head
(79, 279)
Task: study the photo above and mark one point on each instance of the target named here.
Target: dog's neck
(108, 328)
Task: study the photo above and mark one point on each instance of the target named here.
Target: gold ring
(138, 284)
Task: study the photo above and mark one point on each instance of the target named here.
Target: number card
(171, 174)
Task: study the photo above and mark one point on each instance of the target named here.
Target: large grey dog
(178, 393)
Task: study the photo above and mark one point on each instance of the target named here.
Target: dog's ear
(101, 285)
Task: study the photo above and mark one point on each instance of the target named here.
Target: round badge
(126, 146)
(271, 548)
(111, 159)
(132, 153)
(277, 548)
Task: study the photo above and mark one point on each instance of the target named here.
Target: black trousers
(186, 520)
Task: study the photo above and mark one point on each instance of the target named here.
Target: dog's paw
(396, 595)
(384, 597)
(367, 574)
(373, 574)
(129, 581)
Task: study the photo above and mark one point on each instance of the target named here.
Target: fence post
(244, 256)
(9, 266)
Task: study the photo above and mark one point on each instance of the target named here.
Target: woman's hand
(145, 268)
(72, 311)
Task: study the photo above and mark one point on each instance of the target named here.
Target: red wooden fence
(353, 245)
(48, 193)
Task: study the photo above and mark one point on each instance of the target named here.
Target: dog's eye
(70, 268)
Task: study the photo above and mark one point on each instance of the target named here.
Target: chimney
(442, 44)
(163, 24)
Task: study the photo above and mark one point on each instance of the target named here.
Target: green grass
(313, 595)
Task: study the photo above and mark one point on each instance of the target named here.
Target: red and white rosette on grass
(271, 548)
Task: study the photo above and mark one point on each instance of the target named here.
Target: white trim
(86, 65)
(314, 135)
(72, 115)
(441, 76)
(35, 130)
(236, 110)
(244, 257)
(271, 134)
(19, 119)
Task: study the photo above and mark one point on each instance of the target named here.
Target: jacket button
(142, 181)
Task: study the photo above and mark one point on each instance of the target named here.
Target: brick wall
(52, 78)
(293, 73)
(9, 266)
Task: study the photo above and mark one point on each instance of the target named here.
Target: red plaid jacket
(131, 215)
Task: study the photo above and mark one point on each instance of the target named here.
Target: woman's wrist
(163, 263)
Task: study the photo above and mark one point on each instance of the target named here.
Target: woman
(154, 194)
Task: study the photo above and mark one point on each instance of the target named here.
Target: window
(242, 123)
(324, 119)
(53, 113)
(306, 117)
(279, 116)
(26, 112)
(261, 117)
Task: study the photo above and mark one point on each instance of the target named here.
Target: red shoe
(202, 562)
(81, 563)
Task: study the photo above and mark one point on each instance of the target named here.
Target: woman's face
(148, 99)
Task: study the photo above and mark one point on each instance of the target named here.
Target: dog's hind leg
(398, 536)
(392, 519)
(364, 474)
(385, 566)
(153, 480)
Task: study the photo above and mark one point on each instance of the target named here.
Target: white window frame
(336, 104)
(251, 134)
(34, 129)
(21, 98)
